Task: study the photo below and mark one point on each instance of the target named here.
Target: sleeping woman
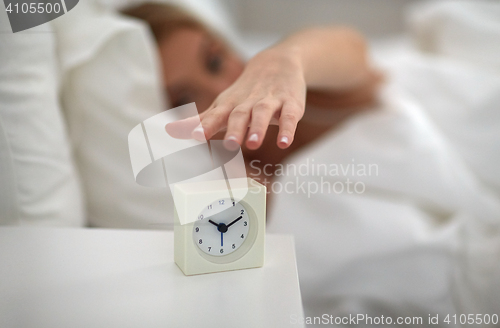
(261, 104)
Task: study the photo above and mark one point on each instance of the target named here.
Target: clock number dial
(223, 225)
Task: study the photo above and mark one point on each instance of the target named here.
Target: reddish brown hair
(164, 19)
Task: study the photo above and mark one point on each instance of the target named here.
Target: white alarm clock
(223, 231)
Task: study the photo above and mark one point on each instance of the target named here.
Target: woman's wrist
(279, 57)
(329, 58)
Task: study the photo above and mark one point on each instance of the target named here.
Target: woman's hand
(271, 90)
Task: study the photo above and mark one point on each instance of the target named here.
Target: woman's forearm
(330, 58)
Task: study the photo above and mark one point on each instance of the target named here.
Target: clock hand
(222, 227)
(221, 239)
(230, 224)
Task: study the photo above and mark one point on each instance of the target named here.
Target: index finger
(183, 129)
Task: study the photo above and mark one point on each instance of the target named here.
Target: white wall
(374, 18)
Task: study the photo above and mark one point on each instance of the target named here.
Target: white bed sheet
(424, 236)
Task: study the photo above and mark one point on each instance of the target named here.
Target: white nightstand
(55, 277)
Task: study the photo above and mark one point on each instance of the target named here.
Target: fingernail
(199, 128)
(253, 138)
(284, 140)
(230, 143)
(199, 133)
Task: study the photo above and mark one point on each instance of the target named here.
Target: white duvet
(422, 234)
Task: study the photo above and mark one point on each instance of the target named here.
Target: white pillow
(38, 182)
(112, 83)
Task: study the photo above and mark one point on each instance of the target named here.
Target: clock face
(222, 227)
